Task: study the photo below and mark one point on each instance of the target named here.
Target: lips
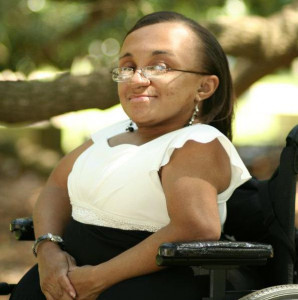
(140, 98)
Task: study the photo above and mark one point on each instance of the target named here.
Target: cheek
(121, 91)
(182, 92)
(172, 89)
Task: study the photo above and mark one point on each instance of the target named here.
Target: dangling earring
(194, 115)
(130, 127)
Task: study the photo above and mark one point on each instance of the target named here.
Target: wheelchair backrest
(264, 211)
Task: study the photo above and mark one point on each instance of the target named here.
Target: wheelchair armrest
(5, 288)
(213, 253)
(23, 229)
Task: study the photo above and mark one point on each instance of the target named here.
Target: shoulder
(198, 142)
(205, 159)
(206, 131)
(200, 133)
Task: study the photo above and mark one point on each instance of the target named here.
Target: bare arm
(52, 210)
(51, 214)
(191, 182)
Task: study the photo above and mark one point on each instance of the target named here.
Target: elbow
(210, 234)
(210, 231)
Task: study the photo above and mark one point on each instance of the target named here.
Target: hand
(88, 285)
(53, 266)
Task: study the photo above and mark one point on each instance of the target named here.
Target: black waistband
(90, 244)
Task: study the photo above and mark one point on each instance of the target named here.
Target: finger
(66, 297)
(74, 262)
(71, 260)
(67, 286)
(48, 296)
(53, 292)
(71, 263)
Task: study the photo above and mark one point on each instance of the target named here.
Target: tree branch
(32, 101)
(261, 45)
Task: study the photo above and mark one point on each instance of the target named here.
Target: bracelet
(47, 237)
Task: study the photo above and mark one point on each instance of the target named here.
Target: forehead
(173, 38)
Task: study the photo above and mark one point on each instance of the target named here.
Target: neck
(159, 128)
(154, 131)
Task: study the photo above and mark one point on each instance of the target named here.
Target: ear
(208, 86)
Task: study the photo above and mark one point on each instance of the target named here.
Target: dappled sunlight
(11, 76)
(235, 8)
(76, 127)
(36, 5)
(274, 98)
(110, 47)
(261, 116)
(44, 73)
(95, 49)
(34, 154)
(81, 66)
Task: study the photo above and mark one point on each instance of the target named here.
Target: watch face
(56, 239)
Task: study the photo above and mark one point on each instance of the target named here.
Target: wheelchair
(256, 256)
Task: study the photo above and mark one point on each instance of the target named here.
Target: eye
(122, 70)
(125, 69)
(159, 67)
(155, 70)
(122, 74)
(127, 64)
(125, 72)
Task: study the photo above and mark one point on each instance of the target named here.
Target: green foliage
(265, 7)
(34, 33)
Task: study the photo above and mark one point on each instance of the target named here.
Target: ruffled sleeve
(205, 134)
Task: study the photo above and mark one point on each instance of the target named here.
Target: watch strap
(47, 237)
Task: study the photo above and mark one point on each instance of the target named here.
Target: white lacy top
(119, 186)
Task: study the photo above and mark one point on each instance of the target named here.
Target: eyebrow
(154, 53)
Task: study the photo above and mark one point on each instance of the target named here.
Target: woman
(163, 176)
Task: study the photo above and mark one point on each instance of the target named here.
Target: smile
(140, 98)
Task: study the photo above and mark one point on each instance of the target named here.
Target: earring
(194, 115)
(130, 127)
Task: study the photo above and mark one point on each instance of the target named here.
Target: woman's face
(168, 100)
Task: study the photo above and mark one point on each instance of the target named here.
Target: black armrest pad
(22, 229)
(213, 252)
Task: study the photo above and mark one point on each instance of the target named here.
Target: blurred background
(55, 86)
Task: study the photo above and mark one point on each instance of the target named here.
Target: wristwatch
(47, 237)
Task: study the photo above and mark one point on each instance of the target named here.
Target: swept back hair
(217, 110)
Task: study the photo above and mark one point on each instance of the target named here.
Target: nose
(139, 78)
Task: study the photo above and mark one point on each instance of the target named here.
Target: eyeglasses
(124, 74)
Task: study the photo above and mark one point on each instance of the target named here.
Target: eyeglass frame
(144, 68)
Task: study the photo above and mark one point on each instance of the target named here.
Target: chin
(141, 116)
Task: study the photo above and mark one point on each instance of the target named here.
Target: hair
(217, 110)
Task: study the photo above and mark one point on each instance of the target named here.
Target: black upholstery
(264, 211)
(214, 252)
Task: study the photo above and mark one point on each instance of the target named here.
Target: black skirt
(92, 245)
